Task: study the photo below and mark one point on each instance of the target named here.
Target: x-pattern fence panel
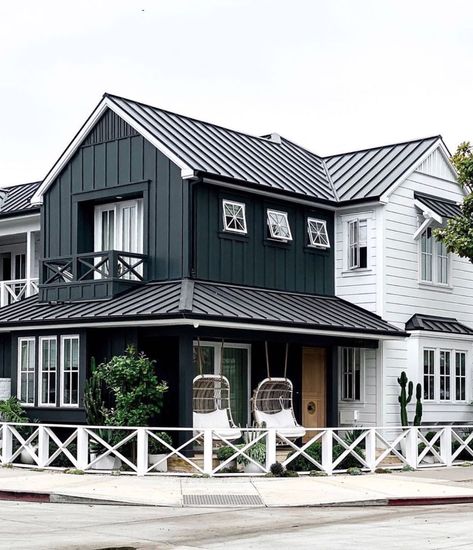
(192, 451)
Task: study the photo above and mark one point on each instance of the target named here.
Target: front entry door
(314, 387)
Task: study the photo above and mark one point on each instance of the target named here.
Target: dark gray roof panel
(371, 172)
(198, 299)
(443, 207)
(437, 324)
(218, 151)
(18, 198)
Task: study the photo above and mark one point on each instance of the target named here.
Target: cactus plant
(404, 398)
(93, 399)
(418, 416)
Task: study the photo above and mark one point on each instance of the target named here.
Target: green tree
(457, 235)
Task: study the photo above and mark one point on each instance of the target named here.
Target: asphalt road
(52, 526)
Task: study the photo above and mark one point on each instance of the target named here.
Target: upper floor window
(434, 259)
(351, 374)
(119, 226)
(234, 216)
(278, 225)
(317, 231)
(357, 244)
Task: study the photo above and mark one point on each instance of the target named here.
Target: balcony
(91, 276)
(16, 290)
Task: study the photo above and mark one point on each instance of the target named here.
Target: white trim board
(106, 103)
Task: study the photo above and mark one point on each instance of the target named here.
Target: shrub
(225, 452)
(277, 469)
(303, 464)
(11, 410)
(353, 471)
(155, 447)
(257, 452)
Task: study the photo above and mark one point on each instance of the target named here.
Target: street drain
(222, 500)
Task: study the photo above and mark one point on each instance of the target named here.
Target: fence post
(446, 445)
(7, 445)
(43, 446)
(141, 452)
(411, 447)
(327, 452)
(370, 449)
(270, 447)
(208, 452)
(82, 448)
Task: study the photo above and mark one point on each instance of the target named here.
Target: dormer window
(278, 225)
(358, 244)
(234, 217)
(317, 231)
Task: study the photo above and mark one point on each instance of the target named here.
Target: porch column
(29, 268)
(332, 389)
(186, 375)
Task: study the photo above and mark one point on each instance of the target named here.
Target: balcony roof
(207, 304)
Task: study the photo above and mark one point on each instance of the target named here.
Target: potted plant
(224, 453)
(157, 451)
(258, 453)
(11, 410)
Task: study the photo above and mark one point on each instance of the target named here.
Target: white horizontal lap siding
(404, 296)
(357, 286)
(367, 407)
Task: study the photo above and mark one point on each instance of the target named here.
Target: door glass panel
(235, 368)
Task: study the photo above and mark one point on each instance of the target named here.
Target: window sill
(439, 286)
(242, 237)
(357, 271)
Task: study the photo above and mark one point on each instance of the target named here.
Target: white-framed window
(317, 232)
(70, 371)
(26, 370)
(234, 216)
(47, 371)
(460, 376)
(357, 244)
(278, 225)
(429, 374)
(434, 260)
(351, 374)
(445, 375)
(235, 365)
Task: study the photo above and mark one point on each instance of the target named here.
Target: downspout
(192, 231)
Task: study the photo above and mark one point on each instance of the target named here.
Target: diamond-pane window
(278, 225)
(317, 230)
(234, 218)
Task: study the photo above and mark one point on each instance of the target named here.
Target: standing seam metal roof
(18, 198)
(443, 207)
(437, 324)
(198, 299)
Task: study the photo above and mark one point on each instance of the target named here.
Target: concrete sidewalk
(422, 487)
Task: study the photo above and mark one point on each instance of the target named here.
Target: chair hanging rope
(267, 359)
(285, 361)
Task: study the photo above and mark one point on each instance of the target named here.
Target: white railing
(328, 450)
(16, 290)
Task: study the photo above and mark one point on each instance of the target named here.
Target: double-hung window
(26, 370)
(434, 259)
(445, 375)
(47, 370)
(460, 376)
(351, 374)
(70, 370)
(429, 374)
(357, 244)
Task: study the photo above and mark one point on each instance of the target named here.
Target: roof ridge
(419, 140)
(187, 117)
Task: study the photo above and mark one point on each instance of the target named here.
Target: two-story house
(164, 232)
(389, 262)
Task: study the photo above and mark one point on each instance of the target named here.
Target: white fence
(328, 450)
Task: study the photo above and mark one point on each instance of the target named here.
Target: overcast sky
(331, 75)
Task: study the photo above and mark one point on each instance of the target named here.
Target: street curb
(56, 498)
(429, 501)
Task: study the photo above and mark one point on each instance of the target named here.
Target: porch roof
(208, 304)
(434, 323)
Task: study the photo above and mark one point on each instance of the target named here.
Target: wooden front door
(314, 388)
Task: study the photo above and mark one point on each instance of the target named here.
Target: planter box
(162, 466)
(105, 463)
(251, 468)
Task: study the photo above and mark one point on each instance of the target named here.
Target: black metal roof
(17, 199)
(206, 300)
(437, 324)
(218, 151)
(370, 172)
(443, 207)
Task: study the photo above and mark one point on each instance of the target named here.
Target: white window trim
(436, 381)
(217, 346)
(448, 377)
(19, 371)
(116, 207)
(61, 367)
(270, 211)
(358, 220)
(435, 265)
(347, 401)
(242, 205)
(311, 239)
(41, 339)
(465, 377)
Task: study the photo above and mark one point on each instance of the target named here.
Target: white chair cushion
(283, 421)
(218, 421)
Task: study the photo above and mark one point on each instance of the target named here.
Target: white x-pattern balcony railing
(367, 448)
(16, 290)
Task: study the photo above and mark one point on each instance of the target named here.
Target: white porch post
(29, 261)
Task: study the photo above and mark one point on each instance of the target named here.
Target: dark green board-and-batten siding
(123, 164)
(254, 259)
